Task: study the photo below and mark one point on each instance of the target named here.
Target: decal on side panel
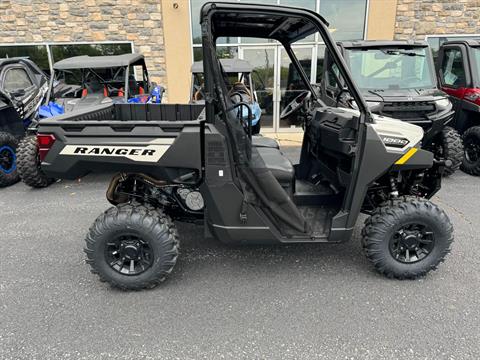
(149, 153)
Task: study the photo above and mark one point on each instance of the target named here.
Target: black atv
(23, 87)
(397, 79)
(79, 83)
(176, 166)
(458, 68)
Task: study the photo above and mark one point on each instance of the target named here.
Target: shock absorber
(393, 187)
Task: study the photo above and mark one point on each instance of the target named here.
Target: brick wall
(417, 18)
(140, 21)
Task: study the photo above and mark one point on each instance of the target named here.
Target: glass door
(263, 61)
(290, 84)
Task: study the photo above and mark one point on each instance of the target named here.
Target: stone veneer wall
(139, 21)
(417, 18)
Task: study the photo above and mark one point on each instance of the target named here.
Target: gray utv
(173, 165)
(397, 79)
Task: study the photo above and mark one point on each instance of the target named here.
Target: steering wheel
(295, 104)
(341, 94)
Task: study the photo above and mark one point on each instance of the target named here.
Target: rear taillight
(45, 143)
(472, 95)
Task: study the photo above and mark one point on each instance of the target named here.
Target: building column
(381, 19)
(178, 49)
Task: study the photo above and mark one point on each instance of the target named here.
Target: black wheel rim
(8, 159)
(412, 243)
(472, 150)
(129, 255)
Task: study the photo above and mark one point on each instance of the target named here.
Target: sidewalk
(287, 138)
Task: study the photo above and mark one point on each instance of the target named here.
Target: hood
(392, 95)
(389, 127)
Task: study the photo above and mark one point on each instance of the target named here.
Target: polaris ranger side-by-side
(458, 66)
(397, 79)
(23, 87)
(173, 165)
(83, 82)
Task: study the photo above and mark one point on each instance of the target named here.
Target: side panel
(377, 160)
(162, 149)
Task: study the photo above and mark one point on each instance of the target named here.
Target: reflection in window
(37, 53)
(436, 41)
(195, 6)
(223, 52)
(60, 52)
(320, 57)
(16, 79)
(453, 72)
(346, 18)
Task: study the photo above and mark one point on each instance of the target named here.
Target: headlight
(442, 103)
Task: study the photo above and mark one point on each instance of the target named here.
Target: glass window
(195, 6)
(263, 77)
(476, 55)
(16, 79)
(453, 73)
(37, 53)
(307, 4)
(60, 52)
(291, 83)
(320, 57)
(223, 52)
(436, 41)
(391, 68)
(346, 18)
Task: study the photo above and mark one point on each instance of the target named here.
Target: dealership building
(167, 32)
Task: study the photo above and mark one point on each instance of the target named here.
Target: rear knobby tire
(471, 157)
(155, 230)
(452, 148)
(8, 159)
(28, 163)
(381, 233)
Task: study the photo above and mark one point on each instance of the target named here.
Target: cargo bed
(126, 138)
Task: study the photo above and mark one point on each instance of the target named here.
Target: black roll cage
(213, 76)
(209, 37)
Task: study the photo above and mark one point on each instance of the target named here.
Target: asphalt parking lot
(288, 302)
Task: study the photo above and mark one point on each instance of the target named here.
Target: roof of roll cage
(366, 44)
(229, 66)
(282, 23)
(99, 62)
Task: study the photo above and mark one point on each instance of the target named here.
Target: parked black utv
(397, 79)
(458, 66)
(174, 165)
(79, 83)
(23, 87)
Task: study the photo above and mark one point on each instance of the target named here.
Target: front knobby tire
(8, 160)
(132, 246)
(452, 149)
(407, 237)
(28, 162)
(471, 157)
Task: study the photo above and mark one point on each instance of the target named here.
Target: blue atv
(23, 88)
